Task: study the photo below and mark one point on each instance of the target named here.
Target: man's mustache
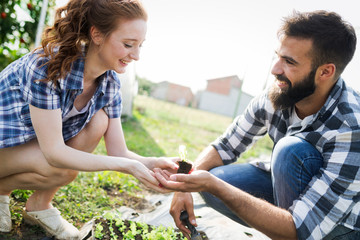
(281, 77)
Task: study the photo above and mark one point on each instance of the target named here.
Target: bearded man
(311, 187)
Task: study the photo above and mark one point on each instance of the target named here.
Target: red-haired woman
(58, 101)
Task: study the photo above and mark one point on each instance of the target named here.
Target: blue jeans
(293, 163)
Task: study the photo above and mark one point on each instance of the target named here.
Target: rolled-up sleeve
(244, 131)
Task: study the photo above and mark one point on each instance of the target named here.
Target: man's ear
(96, 35)
(327, 71)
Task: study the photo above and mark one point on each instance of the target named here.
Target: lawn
(157, 128)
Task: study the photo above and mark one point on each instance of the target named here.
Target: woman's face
(123, 45)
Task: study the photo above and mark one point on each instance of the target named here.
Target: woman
(58, 101)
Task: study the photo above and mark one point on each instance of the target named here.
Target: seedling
(184, 165)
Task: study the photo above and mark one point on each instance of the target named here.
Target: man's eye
(289, 62)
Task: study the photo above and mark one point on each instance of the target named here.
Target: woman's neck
(92, 69)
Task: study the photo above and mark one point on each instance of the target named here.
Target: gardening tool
(184, 217)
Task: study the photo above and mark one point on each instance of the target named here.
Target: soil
(184, 167)
(120, 235)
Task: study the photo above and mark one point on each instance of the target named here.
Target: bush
(17, 37)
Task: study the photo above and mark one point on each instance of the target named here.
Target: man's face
(295, 76)
(282, 99)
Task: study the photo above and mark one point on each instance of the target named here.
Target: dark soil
(184, 167)
(120, 235)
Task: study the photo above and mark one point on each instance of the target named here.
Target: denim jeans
(293, 163)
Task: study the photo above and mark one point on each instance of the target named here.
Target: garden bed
(111, 227)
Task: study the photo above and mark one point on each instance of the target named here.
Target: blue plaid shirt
(333, 195)
(19, 88)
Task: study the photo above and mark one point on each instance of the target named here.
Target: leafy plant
(18, 26)
(184, 165)
(98, 231)
(183, 153)
(116, 228)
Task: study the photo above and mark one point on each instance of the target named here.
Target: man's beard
(287, 98)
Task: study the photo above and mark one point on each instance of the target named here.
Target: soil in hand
(184, 167)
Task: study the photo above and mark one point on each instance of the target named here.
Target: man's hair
(334, 40)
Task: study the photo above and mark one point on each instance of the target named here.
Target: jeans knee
(293, 151)
(283, 152)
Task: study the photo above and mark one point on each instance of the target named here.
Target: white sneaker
(52, 222)
(5, 216)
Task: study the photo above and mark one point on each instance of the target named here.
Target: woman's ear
(96, 35)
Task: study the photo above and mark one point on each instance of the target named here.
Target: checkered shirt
(332, 196)
(19, 88)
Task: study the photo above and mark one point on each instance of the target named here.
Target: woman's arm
(48, 128)
(116, 146)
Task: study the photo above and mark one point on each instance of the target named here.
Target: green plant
(184, 165)
(116, 228)
(183, 153)
(18, 26)
(98, 231)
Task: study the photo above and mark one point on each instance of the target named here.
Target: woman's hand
(166, 163)
(145, 176)
(197, 181)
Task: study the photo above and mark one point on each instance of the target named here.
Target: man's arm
(273, 221)
(208, 159)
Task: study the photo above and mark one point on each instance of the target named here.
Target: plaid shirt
(19, 88)
(333, 195)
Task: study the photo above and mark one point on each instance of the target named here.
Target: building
(224, 96)
(172, 92)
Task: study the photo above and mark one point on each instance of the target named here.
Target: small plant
(98, 231)
(184, 165)
(111, 226)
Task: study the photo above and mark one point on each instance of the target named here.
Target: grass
(157, 128)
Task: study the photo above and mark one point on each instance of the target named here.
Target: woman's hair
(71, 29)
(334, 40)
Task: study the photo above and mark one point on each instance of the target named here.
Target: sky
(191, 41)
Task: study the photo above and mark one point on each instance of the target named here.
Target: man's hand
(194, 182)
(197, 181)
(181, 202)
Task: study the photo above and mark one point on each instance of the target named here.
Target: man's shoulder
(348, 106)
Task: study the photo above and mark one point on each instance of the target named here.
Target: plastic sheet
(214, 224)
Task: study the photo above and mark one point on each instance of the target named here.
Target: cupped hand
(197, 181)
(146, 176)
(168, 163)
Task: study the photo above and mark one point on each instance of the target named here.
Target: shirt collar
(334, 96)
(74, 79)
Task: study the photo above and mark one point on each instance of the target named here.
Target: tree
(145, 86)
(18, 24)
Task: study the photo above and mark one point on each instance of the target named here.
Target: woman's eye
(127, 45)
